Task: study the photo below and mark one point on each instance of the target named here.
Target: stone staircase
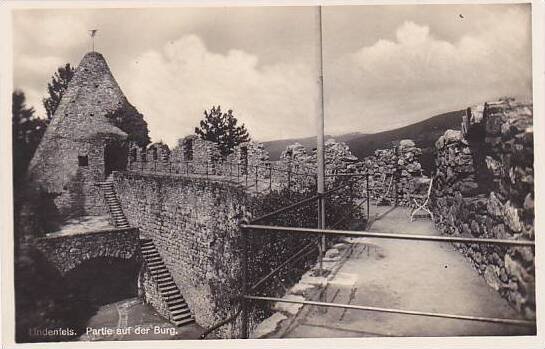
(178, 309)
(114, 206)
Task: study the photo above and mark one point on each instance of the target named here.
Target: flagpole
(320, 163)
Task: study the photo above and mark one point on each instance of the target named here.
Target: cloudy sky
(384, 66)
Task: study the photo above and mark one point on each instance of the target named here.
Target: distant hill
(423, 133)
(275, 148)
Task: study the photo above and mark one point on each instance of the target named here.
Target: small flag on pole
(93, 33)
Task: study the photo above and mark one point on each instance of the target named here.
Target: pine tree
(57, 86)
(222, 129)
(27, 131)
(131, 122)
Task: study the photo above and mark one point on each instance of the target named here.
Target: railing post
(207, 169)
(270, 178)
(367, 195)
(238, 172)
(256, 169)
(244, 276)
(246, 175)
(289, 180)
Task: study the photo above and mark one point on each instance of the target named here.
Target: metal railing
(252, 226)
(264, 177)
(246, 228)
(303, 252)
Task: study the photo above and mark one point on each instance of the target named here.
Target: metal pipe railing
(289, 207)
(220, 324)
(283, 264)
(397, 311)
(391, 235)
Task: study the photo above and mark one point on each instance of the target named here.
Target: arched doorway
(115, 157)
(98, 282)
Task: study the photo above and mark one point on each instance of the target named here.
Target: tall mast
(320, 163)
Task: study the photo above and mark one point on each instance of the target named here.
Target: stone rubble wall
(484, 188)
(151, 292)
(400, 163)
(295, 170)
(194, 224)
(66, 252)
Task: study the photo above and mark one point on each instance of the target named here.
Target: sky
(383, 66)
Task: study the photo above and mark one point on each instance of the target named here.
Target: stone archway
(103, 280)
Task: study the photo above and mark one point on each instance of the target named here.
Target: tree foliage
(129, 120)
(222, 128)
(27, 130)
(57, 86)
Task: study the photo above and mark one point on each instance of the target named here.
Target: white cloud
(172, 87)
(400, 81)
(31, 68)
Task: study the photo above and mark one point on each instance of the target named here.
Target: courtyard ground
(410, 275)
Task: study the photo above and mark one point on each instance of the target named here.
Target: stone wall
(194, 223)
(295, 171)
(484, 187)
(79, 128)
(151, 293)
(66, 252)
(393, 172)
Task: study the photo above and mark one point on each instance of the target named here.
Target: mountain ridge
(424, 133)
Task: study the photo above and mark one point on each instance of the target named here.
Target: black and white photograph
(271, 172)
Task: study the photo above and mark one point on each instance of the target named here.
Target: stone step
(184, 322)
(150, 252)
(175, 302)
(150, 256)
(168, 288)
(167, 278)
(182, 306)
(156, 264)
(165, 281)
(183, 310)
(181, 317)
(163, 272)
(170, 294)
(157, 268)
(173, 296)
(154, 261)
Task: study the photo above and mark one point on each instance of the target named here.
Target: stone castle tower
(81, 145)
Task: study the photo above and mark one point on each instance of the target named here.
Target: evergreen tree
(132, 122)
(27, 131)
(222, 128)
(57, 86)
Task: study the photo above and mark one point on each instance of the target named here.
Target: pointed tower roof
(80, 117)
(91, 94)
